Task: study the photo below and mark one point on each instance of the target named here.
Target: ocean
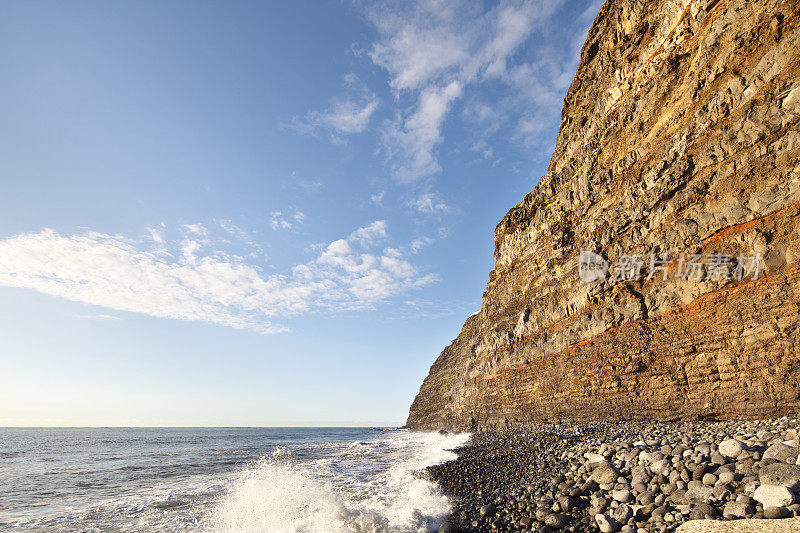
(327, 480)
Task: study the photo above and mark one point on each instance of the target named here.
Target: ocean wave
(352, 495)
(369, 485)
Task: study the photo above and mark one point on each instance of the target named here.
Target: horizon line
(208, 427)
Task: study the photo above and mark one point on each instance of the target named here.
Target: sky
(258, 213)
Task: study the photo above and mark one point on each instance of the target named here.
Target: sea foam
(365, 487)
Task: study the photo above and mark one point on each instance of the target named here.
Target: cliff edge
(654, 270)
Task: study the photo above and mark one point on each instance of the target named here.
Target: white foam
(275, 496)
(374, 491)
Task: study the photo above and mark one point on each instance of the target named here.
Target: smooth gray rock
(605, 473)
(622, 495)
(594, 458)
(773, 496)
(731, 448)
(606, 523)
(726, 477)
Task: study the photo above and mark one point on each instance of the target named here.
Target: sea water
(326, 480)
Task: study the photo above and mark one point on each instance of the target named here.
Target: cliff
(679, 138)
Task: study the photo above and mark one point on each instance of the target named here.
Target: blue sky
(258, 213)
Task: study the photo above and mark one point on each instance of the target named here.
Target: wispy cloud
(483, 149)
(280, 220)
(194, 281)
(377, 198)
(242, 235)
(345, 116)
(97, 316)
(156, 234)
(435, 50)
(234, 230)
(308, 185)
(418, 244)
(430, 203)
(197, 230)
(411, 140)
(427, 309)
(371, 234)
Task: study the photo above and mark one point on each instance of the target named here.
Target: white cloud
(418, 244)
(198, 230)
(189, 249)
(436, 49)
(233, 230)
(279, 220)
(430, 203)
(156, 235)
(411, 141)
(377, 198)
(243, 236)
(420, 41)
(98, 316)
(313, 186)
(483, 149)
(203, 284)
(344, 116)
(540, 87)
(371, 234)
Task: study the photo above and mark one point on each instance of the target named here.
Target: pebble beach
(627, 477)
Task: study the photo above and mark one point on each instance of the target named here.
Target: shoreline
(623, 476)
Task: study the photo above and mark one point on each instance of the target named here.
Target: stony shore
(626, 477)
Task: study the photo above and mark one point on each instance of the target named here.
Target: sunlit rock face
(680, 137)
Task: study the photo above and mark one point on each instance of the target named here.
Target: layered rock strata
(680, 137)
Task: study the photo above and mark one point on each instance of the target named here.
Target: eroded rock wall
(680, 134)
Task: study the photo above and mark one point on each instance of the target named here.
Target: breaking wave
(370, 486)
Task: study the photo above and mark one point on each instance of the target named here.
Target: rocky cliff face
(680, 137)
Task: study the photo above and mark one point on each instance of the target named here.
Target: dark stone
(556, 520)
(701, 511)
(776, 512)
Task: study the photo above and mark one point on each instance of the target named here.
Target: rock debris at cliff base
(625, 477)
